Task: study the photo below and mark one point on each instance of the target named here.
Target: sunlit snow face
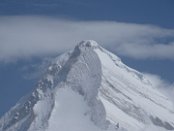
(70, 113)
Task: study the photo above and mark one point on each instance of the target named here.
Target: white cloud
(25, 36)
(148, 50)
(164, 86)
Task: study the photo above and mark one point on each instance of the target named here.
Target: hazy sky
(140, 32)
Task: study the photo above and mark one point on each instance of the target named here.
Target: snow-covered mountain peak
(89, 88)
(88, 43)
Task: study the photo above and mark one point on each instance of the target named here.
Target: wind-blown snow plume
(163, 85)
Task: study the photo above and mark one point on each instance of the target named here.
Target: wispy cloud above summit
(25, 36)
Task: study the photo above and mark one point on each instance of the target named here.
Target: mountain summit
(90, 89)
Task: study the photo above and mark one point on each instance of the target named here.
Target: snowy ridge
(90, 89)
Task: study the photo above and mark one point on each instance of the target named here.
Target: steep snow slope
(90, 89)
(136, 101)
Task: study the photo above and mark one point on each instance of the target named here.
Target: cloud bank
(26, 36)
